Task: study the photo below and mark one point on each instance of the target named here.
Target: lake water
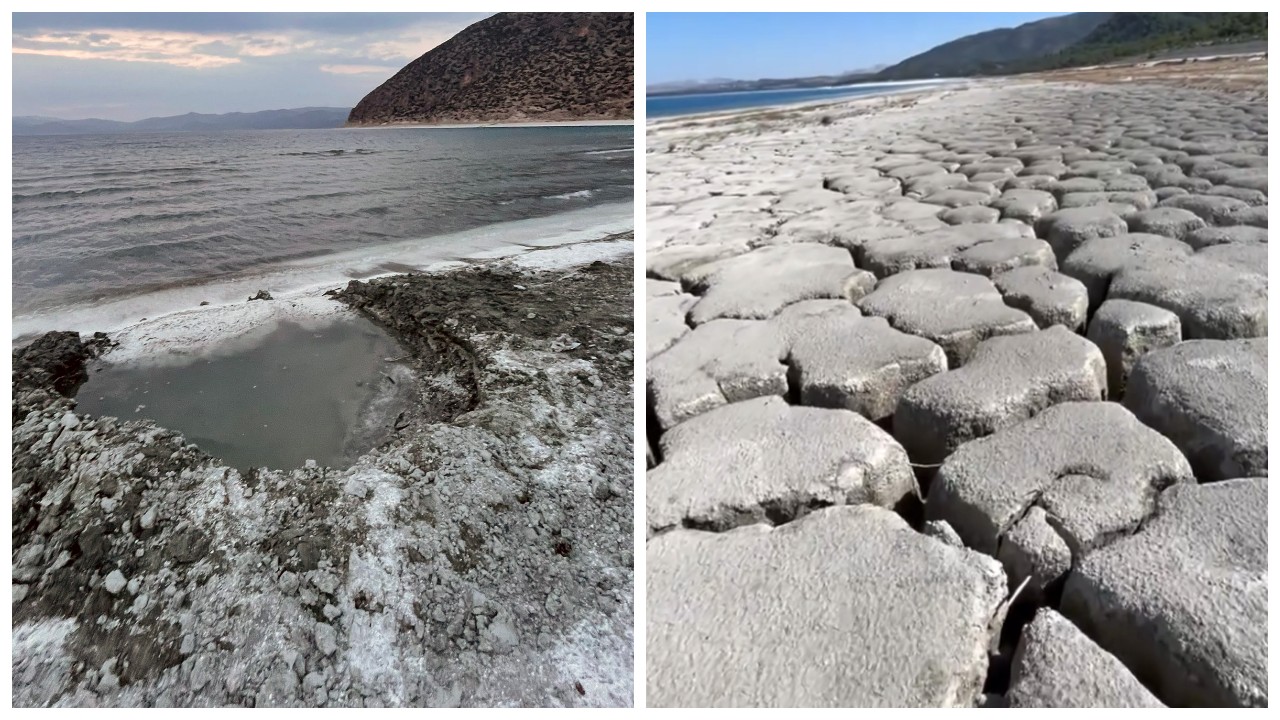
(97, 217)
(671, 105)
(323, 393)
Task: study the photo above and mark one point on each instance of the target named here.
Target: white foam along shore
(893, 89)
(460, 126)
(170, 325)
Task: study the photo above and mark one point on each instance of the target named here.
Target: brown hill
(515, 67)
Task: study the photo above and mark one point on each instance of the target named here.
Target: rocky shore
(960, 399)
(483, 556)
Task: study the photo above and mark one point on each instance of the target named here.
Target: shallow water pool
(326, 394)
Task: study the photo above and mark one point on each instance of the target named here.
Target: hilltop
(1075, 40)
(515, 67)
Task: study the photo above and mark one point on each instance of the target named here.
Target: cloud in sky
(131, 65)
(358, 69)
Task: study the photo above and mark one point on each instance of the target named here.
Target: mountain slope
(987, 51)
(293, 119)
(515, 67)
(1126, 35)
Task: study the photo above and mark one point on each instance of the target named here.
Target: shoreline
(657, 124)
(311, 276)
(400, 580)
(460, 126)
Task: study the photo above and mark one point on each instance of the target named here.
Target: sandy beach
(957, 397)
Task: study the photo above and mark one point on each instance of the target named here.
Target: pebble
(114, 582)
(326, 638)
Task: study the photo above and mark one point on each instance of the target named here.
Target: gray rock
(1034, 555)
(954, 198)
(1125, 331)
(969, 214)
(839, 359)
(996, 181)
(1168, 192)
(1183, 602)
(1252, 178)
(915, 169)
(1025, 205)
(742, 463)
(1078, 185)
(697, 374)
(1213, 209)
(1245, 195)
(922, 185)
(1247, 257)
(1007, 166)
(665, 321)
(1007, 380)
(1058, 666)
(954, 310)
(1092, 467)
(942, 532)
(1210, 398)
(990, 258)
(848, 607)
(1048, 168)
(1142, 200)
(1098, 168)
(908, 210)
(1168, 221)
(1030, 182)
(1210, 236)
(1254, 216)
(762, 282)
(892, 255)
(1126, 183)
(1068, 229)
(279, 690)
(674, 261)
(114, 582)
(326, 638)
(1212, 299)
(1003, 230)
(1050, 298)
(1097, 261)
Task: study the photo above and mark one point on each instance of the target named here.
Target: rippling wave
(99, 216)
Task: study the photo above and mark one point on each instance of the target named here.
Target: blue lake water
(670, 105)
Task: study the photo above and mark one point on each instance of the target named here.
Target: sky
(749, 46)
(129, 66)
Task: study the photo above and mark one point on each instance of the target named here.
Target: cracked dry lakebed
(959, 398)
(438, 513)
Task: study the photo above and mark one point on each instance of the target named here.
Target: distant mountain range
(1065, 41)
(292, 119)
(515, 67)
(715, 85)
(1075, 40)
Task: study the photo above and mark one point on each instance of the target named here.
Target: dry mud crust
(972, 181)
(481, 557)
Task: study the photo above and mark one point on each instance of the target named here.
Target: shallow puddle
(326, 394)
